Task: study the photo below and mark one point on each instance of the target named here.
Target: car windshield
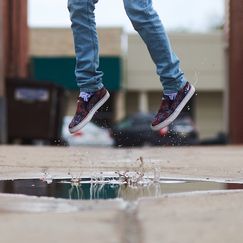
(136, 119)
(125, 124)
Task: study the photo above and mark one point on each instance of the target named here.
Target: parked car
(91, 134)
(136, 131)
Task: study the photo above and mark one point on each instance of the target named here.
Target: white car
(91, 134)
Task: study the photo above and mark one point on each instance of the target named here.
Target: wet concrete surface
(206, 217)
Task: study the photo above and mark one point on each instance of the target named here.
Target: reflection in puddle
(108, 188)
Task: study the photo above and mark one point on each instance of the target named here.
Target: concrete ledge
(70, 223)
(189, 217)
(198, 217)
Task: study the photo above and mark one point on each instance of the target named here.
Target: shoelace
(172, 96)
(85, 96)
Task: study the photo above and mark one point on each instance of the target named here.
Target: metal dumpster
(34, 110)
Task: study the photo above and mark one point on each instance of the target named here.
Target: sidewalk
(207, 217)
(219, 163)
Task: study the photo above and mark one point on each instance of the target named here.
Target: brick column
(236, 71)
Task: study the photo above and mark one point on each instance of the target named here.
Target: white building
(203, 60)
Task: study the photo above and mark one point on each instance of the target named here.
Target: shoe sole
(90, 115)
(177, 111)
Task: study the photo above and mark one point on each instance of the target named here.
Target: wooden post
(236, 72)
(13, 50)
(16, 38)
(2, 86)
(1, 51)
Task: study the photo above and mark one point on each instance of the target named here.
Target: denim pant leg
(147, 23)
(88, 78)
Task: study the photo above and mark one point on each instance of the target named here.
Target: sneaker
(170, 109)
(86, 109)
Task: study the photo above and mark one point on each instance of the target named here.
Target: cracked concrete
(206, 217)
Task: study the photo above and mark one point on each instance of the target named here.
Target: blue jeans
(145, 21)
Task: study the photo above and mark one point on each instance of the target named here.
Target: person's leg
(88, 78)
(147, 23)
(92, 92)
(177, 91)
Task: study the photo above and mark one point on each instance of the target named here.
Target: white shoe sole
(90, 115)
(177, 111)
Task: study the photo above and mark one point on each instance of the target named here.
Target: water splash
(75, 191)
(47, 178)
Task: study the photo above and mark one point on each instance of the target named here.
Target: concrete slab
(215, 163)
(73, 227)
(199, 217)
(31, 219)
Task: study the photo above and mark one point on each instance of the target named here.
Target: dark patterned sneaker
(170, 109)
(86, 109)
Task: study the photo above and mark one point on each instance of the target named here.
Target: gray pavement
(206, 217)
(217, 163)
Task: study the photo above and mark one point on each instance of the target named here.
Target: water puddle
(107, 188)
